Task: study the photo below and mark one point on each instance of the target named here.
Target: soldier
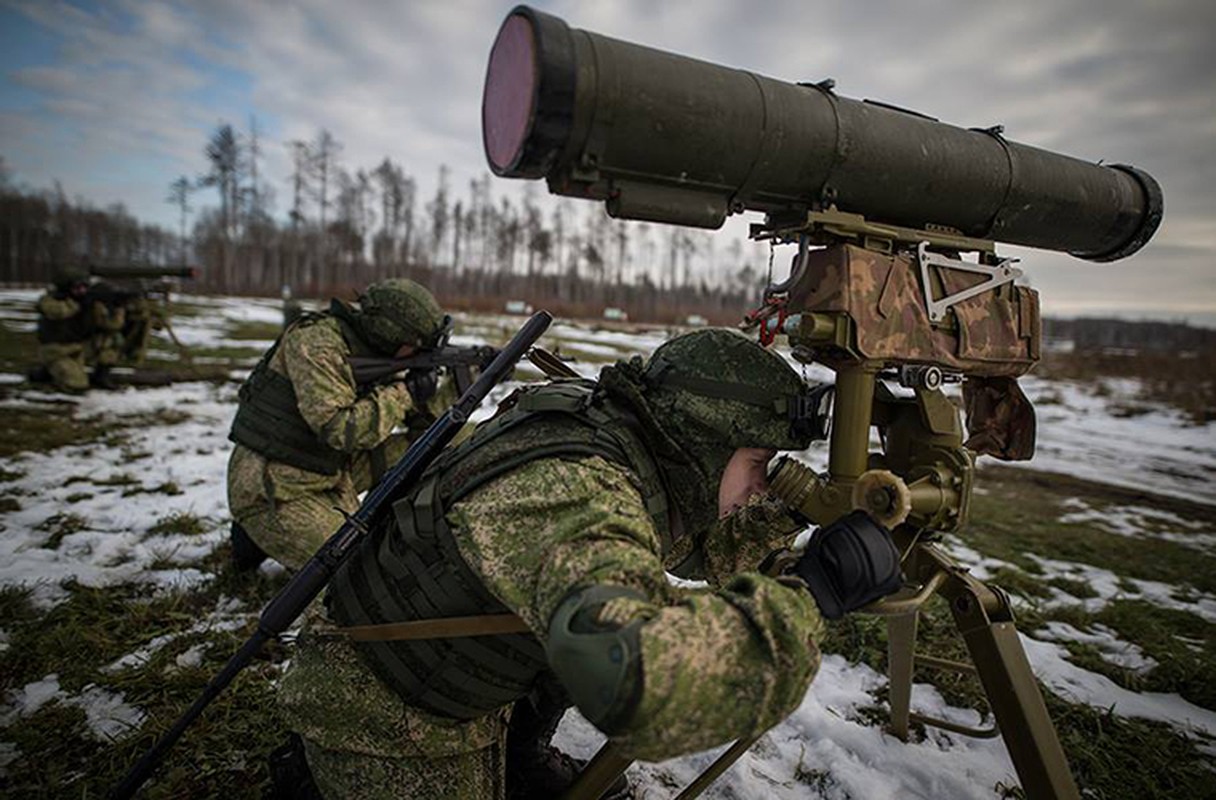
(75, 329)
(308, 439)
(564, 510)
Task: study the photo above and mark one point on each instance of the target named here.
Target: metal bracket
(998, 275)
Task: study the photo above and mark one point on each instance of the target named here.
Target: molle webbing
(268, 421)
(410, 568)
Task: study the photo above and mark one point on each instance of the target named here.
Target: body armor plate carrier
(409, 568)
(70, 330)
(268, 419)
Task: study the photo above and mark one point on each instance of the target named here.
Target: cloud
(137, 87)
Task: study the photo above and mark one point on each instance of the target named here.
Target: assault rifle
(459, 361)
(882, 204)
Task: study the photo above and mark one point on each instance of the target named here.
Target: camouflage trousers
(66, 365)
(290, 529)
(363, 743)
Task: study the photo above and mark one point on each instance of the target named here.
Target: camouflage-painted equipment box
(995, 333)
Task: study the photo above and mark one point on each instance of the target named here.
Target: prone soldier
(309, 439)
(561, 513)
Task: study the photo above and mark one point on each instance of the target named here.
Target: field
(117, 602)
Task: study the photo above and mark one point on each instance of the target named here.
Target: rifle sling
(448, 627)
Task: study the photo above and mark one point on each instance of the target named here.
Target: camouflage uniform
(289, 511)
(106, 343)
(63, 360)
(722, 662)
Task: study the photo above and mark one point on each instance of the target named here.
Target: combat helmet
(702, 396)
(716, 390)
(67, 277)
(398, 312)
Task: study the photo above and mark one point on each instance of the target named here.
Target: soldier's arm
(568, 545)
(107, 318)
(736, 543)
(53, 307)
(315, 360)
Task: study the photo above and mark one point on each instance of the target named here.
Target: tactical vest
(409, 568)
(63, 331)
(268, 419)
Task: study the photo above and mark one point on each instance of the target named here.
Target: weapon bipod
(983, 616)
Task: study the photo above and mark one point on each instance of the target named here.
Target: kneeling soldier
(565, 509)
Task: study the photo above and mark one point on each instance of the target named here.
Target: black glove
(422, 385)
(848, 564)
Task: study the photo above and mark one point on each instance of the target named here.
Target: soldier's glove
(848, 564)
(422, 385)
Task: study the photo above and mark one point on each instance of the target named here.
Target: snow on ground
(117, 503)
(1109, 586)
(107, 716)
(1113, 649)
(1051, 665)
(835, 751)
(1138, 522)
(828, 748)
(1157, 450)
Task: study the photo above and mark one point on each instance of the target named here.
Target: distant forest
(347, 226)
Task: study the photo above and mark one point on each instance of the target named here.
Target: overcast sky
(117, 99)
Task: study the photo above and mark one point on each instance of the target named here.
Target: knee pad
(600, 664)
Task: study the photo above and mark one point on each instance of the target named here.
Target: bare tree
(179, 195)
(439, 214)
(324, 162)
(223, 151)
(301, 161)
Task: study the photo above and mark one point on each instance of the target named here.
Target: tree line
(347, 225)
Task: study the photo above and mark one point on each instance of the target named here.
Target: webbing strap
(724, 390)
(481, 625)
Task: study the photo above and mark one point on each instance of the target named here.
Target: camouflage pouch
(1000, 418)
(994, 333)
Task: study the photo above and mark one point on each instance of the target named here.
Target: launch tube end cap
(528, 102)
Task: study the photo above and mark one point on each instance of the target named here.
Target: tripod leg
(901, 652)
(599, 774)
(984, 618)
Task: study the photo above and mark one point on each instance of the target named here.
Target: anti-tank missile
(667, 138)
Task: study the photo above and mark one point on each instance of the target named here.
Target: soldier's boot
(100, 379)
(290, 777)
(246, 555)
(534, 767)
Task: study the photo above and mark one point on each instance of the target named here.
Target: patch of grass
(117, 479)
(78, 497)
(1079, 589)
(247, 330)
(1114, 757)
(1020, 516)
(8, 504)
(182, 522)
(60, 526)
(224, 753)
(1018, 582)
(23, 429)
(1111, 757)
(9, 475)
(1183, 381)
